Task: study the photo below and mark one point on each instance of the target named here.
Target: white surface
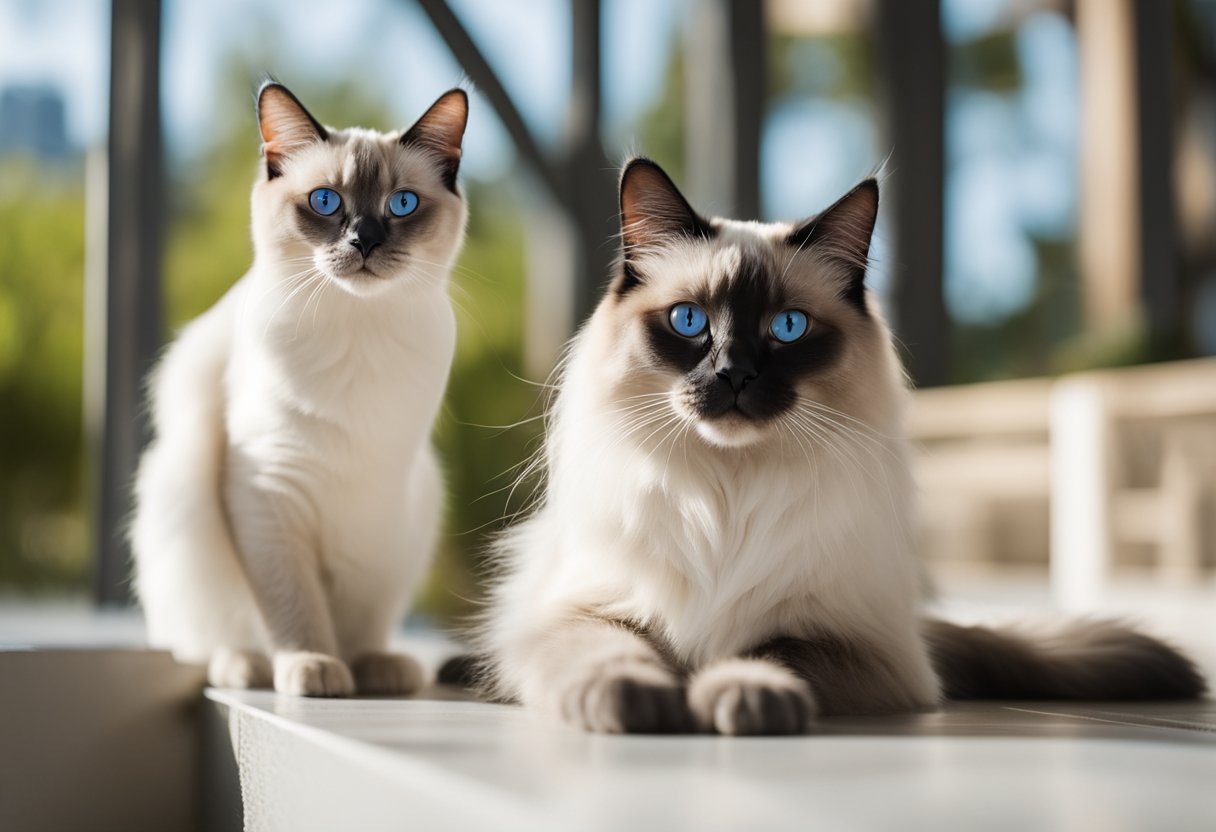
(434, 764)
(1081, 452)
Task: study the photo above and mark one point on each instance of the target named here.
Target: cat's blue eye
(324, 201)
(402, 203)
(688, 319)
(789, 326)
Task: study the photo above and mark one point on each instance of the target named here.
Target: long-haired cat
(290, 500)
(723, 540)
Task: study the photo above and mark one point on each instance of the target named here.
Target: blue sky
(66, 43)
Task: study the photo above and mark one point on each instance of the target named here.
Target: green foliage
(838, 65)
(989, 62)
(1026, 343)
(42, 527)
(661, 127)
(482, 457)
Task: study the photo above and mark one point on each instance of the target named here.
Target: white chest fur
(332, 397)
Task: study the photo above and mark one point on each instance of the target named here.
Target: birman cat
(290, 500)
(723, 542)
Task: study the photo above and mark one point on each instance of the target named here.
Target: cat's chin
(731, 431)
(362, 283)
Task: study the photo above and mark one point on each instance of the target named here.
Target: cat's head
(745, 331)
(363, 208)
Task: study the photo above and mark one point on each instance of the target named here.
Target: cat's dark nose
(369, 233)
(737, 374)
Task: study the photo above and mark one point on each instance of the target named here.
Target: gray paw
(751, 696)
(629, 696)
(239, 669)
(387, 674)
(311, 674)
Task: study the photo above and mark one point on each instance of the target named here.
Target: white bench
(1073, 472)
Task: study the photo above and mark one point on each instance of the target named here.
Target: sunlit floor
(433, 764)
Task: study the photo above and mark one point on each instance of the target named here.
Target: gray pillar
(590, 179)
(133, 316)
(724, 73)
(1160, 289)
(911, 62)
(748, 60)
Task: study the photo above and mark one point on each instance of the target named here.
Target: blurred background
(1049, 209)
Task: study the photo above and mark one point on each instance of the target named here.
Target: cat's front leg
(780, 686)
(269, 527)
(853, 676)
(603, 675)
(751, 696)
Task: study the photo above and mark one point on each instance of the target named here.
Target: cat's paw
(628, 696)
(387, 674)
(239, 669)
(751, 696)
(312, 674)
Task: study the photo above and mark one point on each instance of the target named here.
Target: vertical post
(912, 66)
(133, 296)
(1081, 487)
(748, 56)
(1160, 287)
(589, 177)
(724, 106)
(709, 97)
(1109, 227)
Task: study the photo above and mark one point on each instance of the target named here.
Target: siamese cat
(291, 499)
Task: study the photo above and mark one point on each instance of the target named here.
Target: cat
(722, 541)
(290, 499)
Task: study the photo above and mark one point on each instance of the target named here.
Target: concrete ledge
(439, 764)
(98, 739)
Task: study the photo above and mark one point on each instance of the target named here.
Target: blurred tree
(42, 528)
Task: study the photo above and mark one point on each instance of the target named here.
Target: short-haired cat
(290, 500)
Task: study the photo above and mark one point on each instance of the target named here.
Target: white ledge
(434, 763)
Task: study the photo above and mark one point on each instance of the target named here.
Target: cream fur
(740, 570)
(713, 538)
(290, 501)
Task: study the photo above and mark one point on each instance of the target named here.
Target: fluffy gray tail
(1087, 660)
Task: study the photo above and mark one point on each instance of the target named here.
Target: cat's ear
(441, 130)
(286, 126)
(652, 209)
(842, 233)
(653, 212)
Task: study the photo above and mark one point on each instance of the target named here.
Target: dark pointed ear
(842, 233)
(441, 130)
(285, 124)
(653, 211)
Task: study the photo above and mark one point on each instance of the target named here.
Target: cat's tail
(467, 670)
(1084, 660)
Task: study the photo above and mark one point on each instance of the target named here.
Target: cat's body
(290, 501)
(723, 539)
